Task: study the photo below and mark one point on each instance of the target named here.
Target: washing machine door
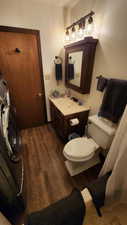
(11, 199)
(5, 125)
(7, 184)
(1, 125)
(3, 91)
(14, 134)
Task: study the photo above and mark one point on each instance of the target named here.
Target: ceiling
(69, 3)
(63, 3)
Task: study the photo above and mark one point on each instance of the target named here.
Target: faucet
(68, 92)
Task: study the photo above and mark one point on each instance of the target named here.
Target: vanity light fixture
(80, 30)
(90, 26)
(85, 28)
(73, 33)
(67, 38)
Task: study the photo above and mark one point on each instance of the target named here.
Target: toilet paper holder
(74, 122)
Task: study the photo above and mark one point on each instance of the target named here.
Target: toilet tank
(101, 131)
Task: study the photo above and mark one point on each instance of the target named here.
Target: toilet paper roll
(74, 122)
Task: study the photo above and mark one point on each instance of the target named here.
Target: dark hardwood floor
(47, 179)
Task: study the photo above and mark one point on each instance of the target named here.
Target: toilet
(83, 152)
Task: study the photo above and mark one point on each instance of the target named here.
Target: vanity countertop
(67, 106)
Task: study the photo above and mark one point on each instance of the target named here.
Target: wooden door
(20, 64)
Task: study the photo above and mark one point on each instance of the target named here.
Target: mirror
(75, 67)
(79, 59)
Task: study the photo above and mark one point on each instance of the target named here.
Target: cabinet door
(58, 121)
(52, 111)
(62, 123)
(59, 124)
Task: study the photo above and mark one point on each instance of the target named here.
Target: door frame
(37, 33)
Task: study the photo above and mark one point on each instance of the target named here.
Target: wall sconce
(85, 28)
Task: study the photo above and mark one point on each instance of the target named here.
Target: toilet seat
(80, 149)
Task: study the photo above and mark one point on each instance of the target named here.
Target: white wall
(111, 55)
(48, 19)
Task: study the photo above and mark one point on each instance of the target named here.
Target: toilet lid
(80, 148)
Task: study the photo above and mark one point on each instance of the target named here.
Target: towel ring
(98, 77)
(58, 58)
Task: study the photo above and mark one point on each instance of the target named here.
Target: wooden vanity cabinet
(61, 123)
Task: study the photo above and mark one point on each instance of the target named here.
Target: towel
(3, 91)
(68, 211)
(102, 83)
(70, 71)
(114, 100)
(58, 70)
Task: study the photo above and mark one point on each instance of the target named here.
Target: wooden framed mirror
(79, 59)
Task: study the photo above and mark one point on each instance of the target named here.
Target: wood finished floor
(46, 177)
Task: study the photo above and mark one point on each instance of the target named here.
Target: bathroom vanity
(63, 110)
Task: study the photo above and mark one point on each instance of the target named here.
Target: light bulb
(73, 34)
(67, 38)
(84, 28)
(80, 31)
(90, 26)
